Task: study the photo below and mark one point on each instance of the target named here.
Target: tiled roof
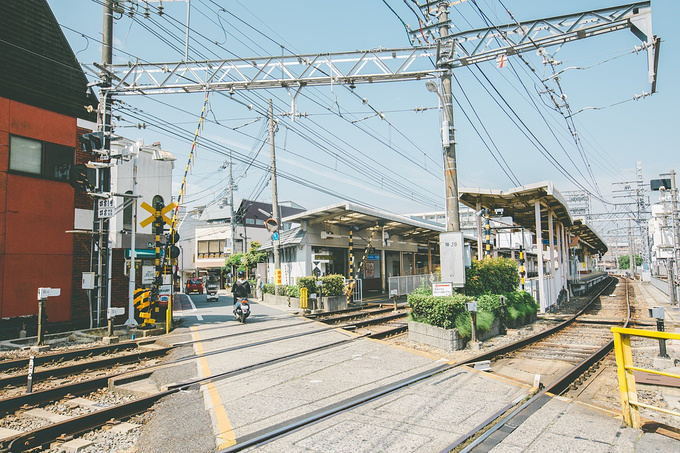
(37, 65)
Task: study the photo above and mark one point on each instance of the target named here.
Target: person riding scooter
(241, 287)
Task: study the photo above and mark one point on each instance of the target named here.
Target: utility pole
(449, 143)
(631, 251)
(676, 239)
(133, 232)
(275, 202)
(104, 120)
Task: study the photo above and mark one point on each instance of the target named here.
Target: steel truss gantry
(383, 65)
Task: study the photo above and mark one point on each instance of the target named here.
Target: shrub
(491, 276)
(464, 323)
(490, 303)
(437, 311)
(268, 288)
(520, 304)
(291, 291)
(332, 285)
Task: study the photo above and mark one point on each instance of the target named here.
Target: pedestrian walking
(259, 286)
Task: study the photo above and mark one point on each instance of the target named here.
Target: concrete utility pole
(275, 199)
(449, 143)
(676, 239)
(631, 251)
(104, 120)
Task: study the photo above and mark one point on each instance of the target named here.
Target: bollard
(503, 315)
(29, 384)
(662, 343)
(473, 320)
(658, 314)
(472, 308)
(41, 326)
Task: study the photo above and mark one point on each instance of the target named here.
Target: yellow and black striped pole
(350, 286)
(180, 199)
(487, 233)
(521, 265)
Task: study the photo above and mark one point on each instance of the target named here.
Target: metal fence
(661, 285)
(406, 284)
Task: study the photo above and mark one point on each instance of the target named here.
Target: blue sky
(352, 153)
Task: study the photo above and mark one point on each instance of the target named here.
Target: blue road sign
(275, 237)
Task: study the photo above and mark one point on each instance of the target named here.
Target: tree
(624, 261)
(245, 261)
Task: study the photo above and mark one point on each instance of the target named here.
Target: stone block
(75, 445)
(42, 348)
(110, 340)
(663, 363)
(446, 339)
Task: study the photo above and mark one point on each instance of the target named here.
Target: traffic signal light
(82, 177)
(173, 251)
(173, 237)
(93, 141)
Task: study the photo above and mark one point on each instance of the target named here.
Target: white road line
(193, 308)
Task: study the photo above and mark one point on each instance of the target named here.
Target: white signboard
(452, 252)
(148, 274)
(442, 289)
(106, 208)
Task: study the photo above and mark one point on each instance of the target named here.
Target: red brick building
(43, 99)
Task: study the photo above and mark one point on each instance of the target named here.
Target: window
(40, 158)
(289, 255)
(211, 249)
(127, 212)
(250, 221)
(259, 222)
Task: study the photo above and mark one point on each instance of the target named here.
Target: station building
(375, 247)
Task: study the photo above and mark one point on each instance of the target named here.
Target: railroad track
(385, 322)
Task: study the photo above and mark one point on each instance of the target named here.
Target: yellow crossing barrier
(630, 406)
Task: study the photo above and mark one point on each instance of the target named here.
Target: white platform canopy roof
(520, 203)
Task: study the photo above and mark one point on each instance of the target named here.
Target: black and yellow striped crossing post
(158, 280)
(350, 288)
(487, 233)
(522, 273)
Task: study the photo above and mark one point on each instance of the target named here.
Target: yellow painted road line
(226, 437)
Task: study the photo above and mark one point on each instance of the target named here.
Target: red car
(194, 285)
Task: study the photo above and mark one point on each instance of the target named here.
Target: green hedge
(449, 312)
(491, 276)
(332, 286)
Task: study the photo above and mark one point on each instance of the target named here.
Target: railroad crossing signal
(163, 211)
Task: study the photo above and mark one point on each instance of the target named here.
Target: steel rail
(38, 360)
(386, 333)
(357, 316)
(21, 379)
(372, 322)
